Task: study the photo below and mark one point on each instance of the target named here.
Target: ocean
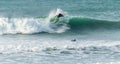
(89, 33)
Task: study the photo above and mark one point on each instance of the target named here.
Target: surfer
(60, 15)
(55, 16)
(74, 40)
(56, 19)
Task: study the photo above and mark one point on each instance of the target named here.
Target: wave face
(78, 23)
(37, 25)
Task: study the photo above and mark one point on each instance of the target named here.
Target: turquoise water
(88, 34)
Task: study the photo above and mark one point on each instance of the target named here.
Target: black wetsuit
(58, 16)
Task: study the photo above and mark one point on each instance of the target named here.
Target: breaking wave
(28, 26)
(38, 25)
(32, 25)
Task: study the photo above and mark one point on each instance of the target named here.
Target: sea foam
(30, 25)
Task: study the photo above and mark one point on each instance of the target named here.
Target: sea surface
(89, 33)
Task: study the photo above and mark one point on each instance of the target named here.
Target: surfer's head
(60, 15)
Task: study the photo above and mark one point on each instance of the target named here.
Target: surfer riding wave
(55, 15)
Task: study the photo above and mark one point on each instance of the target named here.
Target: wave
(38, 25)
(28, 26)
(78, 23)
(32, 25)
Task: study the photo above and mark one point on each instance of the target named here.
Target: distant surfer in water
(74, 40)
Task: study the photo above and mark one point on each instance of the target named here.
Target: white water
(42, 45)
(47, 48)
(31, 25)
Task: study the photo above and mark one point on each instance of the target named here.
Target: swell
(38, 25)
(77, 23)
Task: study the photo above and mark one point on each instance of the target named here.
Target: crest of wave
(29, 25)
